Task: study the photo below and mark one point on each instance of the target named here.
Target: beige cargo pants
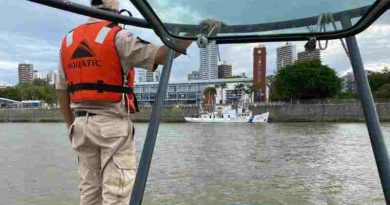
(105, 148)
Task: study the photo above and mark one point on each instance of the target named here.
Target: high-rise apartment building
(349, 84)
(224, 71)
(51, 77)
(260, 72)
(147, 76)
(209, 62)
(152, 76)
(140, 75)
(39, 75)
(157, 76)
(285, 55)
(193, 76)
(309, 55)
(25, 73)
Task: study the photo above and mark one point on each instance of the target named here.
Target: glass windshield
(248, 17)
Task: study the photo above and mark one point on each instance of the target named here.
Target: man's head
(110, 5)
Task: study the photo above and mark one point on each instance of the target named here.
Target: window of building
(192, 95)
(145, 96)
(137, 89)
(172, 96)
(172, 88)
(182, 88)
(182, 95)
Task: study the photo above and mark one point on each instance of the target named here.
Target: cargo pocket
(124, 157)
(126, 178)
(70, 132)
(125, 161)
(121, 171)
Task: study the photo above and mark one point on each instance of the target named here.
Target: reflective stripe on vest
(69, 39)
(92, 66)
(102, 35)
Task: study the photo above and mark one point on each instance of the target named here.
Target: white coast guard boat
(227, 114)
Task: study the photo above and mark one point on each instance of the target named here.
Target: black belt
(99, 87)
(81, 113)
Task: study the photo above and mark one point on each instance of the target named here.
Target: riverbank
(342, 112)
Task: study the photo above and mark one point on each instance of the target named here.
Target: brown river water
(232, 164)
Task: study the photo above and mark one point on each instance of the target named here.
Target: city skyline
(27, 74)
(26, 43)
(142, 72)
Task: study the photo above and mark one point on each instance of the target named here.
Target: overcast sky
(32, 33)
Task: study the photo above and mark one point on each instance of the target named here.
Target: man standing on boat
(95, 92)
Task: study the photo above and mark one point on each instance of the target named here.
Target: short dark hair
(96, 2)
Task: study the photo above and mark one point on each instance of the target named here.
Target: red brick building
(260, 72)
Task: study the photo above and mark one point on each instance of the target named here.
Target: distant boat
(227, 114)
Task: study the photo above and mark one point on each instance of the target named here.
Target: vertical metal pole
(147, 152)
(370, 113)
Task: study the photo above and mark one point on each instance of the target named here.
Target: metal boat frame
(371, 116)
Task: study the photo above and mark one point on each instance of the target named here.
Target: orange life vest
(93, 68)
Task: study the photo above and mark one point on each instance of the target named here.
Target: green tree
(379, 79)
(383, 92)
(217, 86)
(23, 91)
(239, 89)
(236, 76)
(270, 81)
(37, 90)
(346, 96)
(10, 93)
(209, 94)
(252, 89)
(40, 82)
(223, 87)
(306, 80)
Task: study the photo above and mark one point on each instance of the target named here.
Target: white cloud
(240, 56)
(167, 9)
(4, 84)
(7, 65)
(375, 32)
(27, 44)
(377, 66)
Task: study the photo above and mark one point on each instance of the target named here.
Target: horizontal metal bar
(363, 24)
(272, 26)
(250, 28)
(93, 12)
(378, 9)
